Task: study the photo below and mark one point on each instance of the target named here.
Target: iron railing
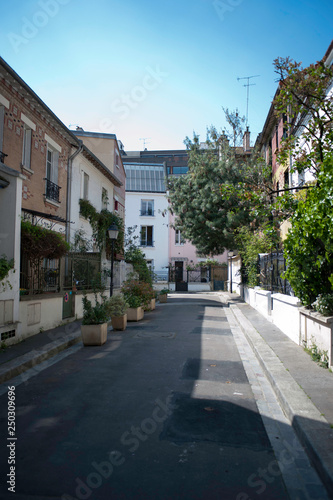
(52, 190)
(40, 277)
(271, 268)
(2, 156)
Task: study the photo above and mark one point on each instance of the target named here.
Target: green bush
(97, 314)
(137, 292)
(117, 305)
(308, 247)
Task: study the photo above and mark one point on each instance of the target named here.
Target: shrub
(138, 292)
(117, 305)
(97, 314)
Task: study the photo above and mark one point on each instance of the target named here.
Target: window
(2, 121)
(105, 198)
(179, 240)
(52, 188)
(116, 205)
(146, 236)
(26, 155)
(147, 207)
(85, 186)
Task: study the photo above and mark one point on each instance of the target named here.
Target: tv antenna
(144, 142)
(248, 85)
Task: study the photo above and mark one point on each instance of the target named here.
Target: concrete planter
(163, 298)
(316, 329)
(151, 306)
(135, 313)
(119, 322)
(94, 334)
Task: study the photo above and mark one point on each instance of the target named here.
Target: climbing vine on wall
(100, 222)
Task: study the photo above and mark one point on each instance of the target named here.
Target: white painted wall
(158, 253)
(10, 243)
(97, 181)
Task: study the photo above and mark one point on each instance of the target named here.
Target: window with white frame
(147, 207)
(179, 240)
(105, 198)
(52, 161)
(85, 186)
(146, 236)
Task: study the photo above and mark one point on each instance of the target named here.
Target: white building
(147, 209)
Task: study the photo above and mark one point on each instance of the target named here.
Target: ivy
(250, 244)
(100, 222)
(5, 266)
(38, 242)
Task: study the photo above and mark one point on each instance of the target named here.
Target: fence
(271, 268)
(43, 277)
(82, 270)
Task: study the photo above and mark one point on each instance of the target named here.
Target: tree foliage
(309, 244)
(304, 99)
(221, 192)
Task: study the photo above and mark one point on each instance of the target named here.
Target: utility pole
(248, 84)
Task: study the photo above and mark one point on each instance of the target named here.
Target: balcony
(2, 156)
(146, 243)
(147, 213)
(52, 191)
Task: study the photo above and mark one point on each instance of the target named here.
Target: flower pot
(119, 322)
(94, 334)
(152, 304)
(163, 297)
(135, 313)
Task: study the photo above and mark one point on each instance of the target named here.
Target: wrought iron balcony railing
(147, 213)
(52, 190)
(2, 156)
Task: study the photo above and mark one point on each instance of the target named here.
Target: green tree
(305, 99)
(220, 193)
(309, 245)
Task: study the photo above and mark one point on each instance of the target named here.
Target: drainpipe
(69, 190)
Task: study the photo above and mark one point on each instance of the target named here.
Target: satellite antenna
(248, 84)
(144, 141)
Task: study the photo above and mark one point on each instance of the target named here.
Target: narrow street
(175, 407)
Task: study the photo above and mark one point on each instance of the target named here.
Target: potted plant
(117, 308)
(137, 295)
(95, 321)
(163, 296)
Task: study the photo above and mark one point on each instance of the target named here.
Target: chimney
(246, 140)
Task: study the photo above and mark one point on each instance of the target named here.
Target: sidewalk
(303, 388)
(18, 358)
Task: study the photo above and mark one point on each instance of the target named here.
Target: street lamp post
(230, 255)
(113, 235)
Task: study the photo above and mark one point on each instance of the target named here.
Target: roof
(26, 92)
(99, 135)
(145, 177)
(100, 166)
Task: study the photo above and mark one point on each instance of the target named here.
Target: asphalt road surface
(163, 410)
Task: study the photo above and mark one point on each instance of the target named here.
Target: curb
(23, 363)
(312, 429)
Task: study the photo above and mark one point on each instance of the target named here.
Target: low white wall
(286, 315)
(199, 287)
(298, 323)
(44, 313)
(316, 329)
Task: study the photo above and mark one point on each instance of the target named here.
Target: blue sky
(158, 70)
